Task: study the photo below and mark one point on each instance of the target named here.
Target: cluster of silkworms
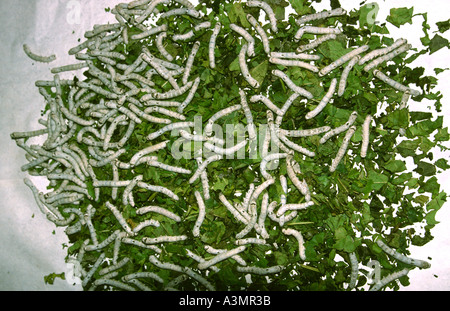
(88, 128)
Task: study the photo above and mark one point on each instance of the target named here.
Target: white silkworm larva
(260, 225)
(214, 251)
(147, 151)
(316, 31)
(348, 68)
(111, 282)
(293, 169)
(250, 51)
(405, 98)
(378, 61)
(340, 129)
(293, 207)
(355, 270)
(342, 60)
(400, 257)
(72, 67)
(324, 100)
(190, 61)
(388, 279)
(305, 133)
(235, 212)
(284, 186)
(250, 241)
(293, 63)
(159, 189)
(266, 101)
(320, 15)
(181, 11)
(129, 188)
(146, 223)
(94, 268)
(119, 218)
(190, 96)
(194, 137)
(268, 10)
(113, 267)
(202, 167)
(266, 160)
(221, 257)
(380, 52)
(244, 68)
(248, 115)
(227, 151)
(38, 58)
(259, 270)
(291, 84)
(145, 275)
(394, 84)
(343, 149)
(165, 111)
(162, 71)
(295, 146)
(315, 43)
(169, 94)
(365, 136)
(150, 8)
(164, 239)
(261, 32)
(201, 214)
(158, 210)
(170, 127)
(253, 214)
(293, 55)
(161, 48)
(212, 44)
(220, 114)
(204, 180)
(298, 235)
(140, 244)
(168, 168)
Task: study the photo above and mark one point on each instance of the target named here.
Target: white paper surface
(28, 249)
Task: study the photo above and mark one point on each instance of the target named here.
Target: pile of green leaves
(365, 198)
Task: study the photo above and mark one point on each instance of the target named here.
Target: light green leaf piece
(259, 72)
(400, 16)
(395, 166)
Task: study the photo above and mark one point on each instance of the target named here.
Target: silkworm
(158, 210)
(345, 73)
(261, 32)
(169, 94)
(292, 169)
(214, 251)
(190, 96)
(306, 132)
(165, 111)
(315, 43)
(170, 127)
(144, 275)
(181, 11)
(199, 259)
(140, 244)
(160, 46)
(111, 282)
(380, 52)
(395, 84)
(320, 15)
(260, 225)
(250, 51)
(200, 138)
(120, 218)
(94, 268)
(220, 257)
(343, 148)
(296, 147)
(342, 60)
(147, 150)
(293, 63)
(259, 270)
(340, 129)
(298, 235)
(293, 207)
(250, 241)
(378, 61)
(169, 168)
(365, 135)
(324, 100)
(190, 61)
(159, 189)
(212, 44)
(220, 114)
(294, 55)
(355, 270)
(266, 101)
(72, 67)
(164, 239)
(274, 133)
(400, 257)
(201, 214)
(38, 58)
(203, 166)
(266, 160)
(146, 223)
(104, 243)
(268, 10)
(150, 8)
(388, 279)
(235, 212)
(295, 88)
(316, 31)
(163, 72)
(252, 221)
(405, 98)
(244, 68)
(228, 151)
(248, 115)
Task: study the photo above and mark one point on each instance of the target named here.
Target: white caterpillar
(355, 270)
(259, 270)
(244, 68)
(212, 45)
(298, 235)
(365, 136)
(378, 61)
(158, 210)
(380, 52)
(293, 63)
(388, 279)
(220, 114)
(266, 160)
(164, 239)
(169, 127)
(341, 128)
(345, 73)
(268, 9)
(161, 48)
(201, 214)
(400, 257)
(320, 15)
(220, 257)
(316, 43)
(324, 100)
(343, 149)
(342, 60)
(261, 32)
(250, 51)
(305, 133)
(316, 31)
(190, 61)
(38, 58)
(396, 85)
(291, 84)
(266, 101)
(294, 55)
(203, 166)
